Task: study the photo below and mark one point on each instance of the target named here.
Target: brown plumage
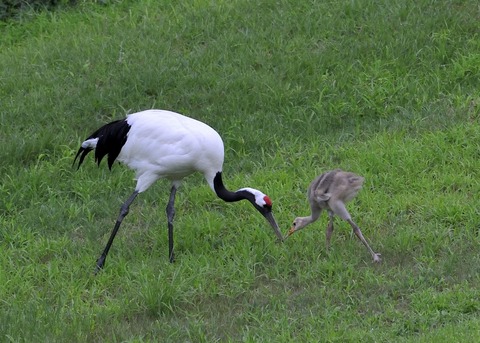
(330, 191)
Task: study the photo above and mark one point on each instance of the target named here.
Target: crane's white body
(164, 144)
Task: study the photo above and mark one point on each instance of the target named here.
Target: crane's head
(259, 200)
(263, 204)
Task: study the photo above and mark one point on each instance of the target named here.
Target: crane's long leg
(358, 233)
(329, 228)
(123, 212)
(170, 215)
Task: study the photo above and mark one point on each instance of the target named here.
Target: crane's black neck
(227, 195)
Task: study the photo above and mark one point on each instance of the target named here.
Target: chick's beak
(290, 232)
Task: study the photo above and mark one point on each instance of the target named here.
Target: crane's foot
(100, 264)
(377, 258)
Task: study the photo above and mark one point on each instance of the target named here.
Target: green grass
(388, 90)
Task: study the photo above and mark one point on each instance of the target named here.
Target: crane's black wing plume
(84, 152)
(111, 138)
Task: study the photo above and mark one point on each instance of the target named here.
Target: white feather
(90, 143)
(259, 196)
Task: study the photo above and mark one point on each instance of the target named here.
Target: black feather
(111, 139)
(84, 153)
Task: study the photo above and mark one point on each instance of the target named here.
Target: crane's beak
(273, 223)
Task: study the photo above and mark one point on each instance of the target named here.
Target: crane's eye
(294, 224)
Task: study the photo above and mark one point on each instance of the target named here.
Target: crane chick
(331, 191)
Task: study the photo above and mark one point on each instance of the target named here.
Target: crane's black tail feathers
(84, 152)
(111, 138)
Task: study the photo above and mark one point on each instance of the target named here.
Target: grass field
(386, 89)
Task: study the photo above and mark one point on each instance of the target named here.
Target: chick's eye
(294, 224)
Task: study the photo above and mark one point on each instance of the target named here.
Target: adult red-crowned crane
(163, 144)
(331, 191)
